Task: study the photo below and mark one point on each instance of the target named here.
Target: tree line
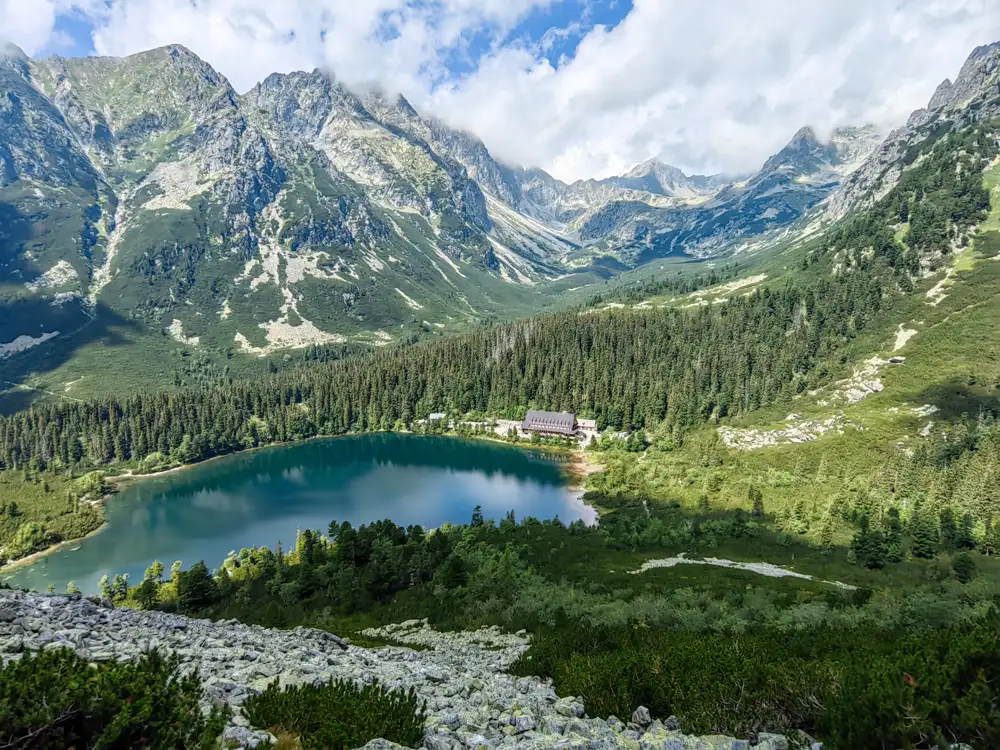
(629, 369)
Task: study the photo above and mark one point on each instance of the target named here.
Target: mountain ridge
(148, 191)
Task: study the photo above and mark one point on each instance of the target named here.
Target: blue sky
(582, 88)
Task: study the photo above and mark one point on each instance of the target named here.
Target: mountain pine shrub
(55, 699)
(338, 715)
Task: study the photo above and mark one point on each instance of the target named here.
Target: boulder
(641, 717)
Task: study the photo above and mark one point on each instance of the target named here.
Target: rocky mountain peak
(974, 96)
(653, 166)
(803, 154)
(854, 144)
(13, 58)
(979, 72)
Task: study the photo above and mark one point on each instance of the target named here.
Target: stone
(471, 700)
(641, 717)
(440, 742)
(770, 741)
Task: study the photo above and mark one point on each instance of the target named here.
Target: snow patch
(449, 261)
(410, 302)
(23, 343)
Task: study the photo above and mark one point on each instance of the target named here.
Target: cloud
(715, 85)
(712, 86)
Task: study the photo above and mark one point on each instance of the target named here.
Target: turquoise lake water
(265, 496)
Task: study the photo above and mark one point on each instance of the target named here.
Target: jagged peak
(9, 49)
(653, 165)
(13, 57)
(980, 69)
(805, 134)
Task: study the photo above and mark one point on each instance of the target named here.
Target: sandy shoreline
(581, 466)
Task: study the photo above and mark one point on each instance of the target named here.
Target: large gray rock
(641, 717)
(471, 701)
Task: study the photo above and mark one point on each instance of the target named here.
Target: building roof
(550, 421)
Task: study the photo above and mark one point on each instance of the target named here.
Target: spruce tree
(949, 532)
(964, 538)
(964, 567)
(925, 537)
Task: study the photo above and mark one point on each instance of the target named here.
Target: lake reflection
(262, 497)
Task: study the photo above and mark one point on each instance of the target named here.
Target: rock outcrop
(973, 97)
(472, 702)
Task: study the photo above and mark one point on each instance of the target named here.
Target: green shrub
(850, 687)
(338, 715)
(30, 536)
(92, 485)
(55, 699)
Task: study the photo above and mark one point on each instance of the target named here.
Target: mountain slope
(146, 191)
(973, 97)
(148, 202)
(798, 177)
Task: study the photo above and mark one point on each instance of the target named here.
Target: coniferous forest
(824, 659)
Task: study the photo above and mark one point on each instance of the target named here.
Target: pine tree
(826, 531)
(154, 572)
(949, 533)
(756, 499)
(801, 517)
(964, 538)
(964, 567)
(894, 536)
(925, 537)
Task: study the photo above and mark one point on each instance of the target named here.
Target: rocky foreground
(471, 701)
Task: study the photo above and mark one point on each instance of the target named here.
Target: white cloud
(714, 85)
(31, 23)
(717, 85)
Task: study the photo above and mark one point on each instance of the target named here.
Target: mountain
(709, 217)
(148, 190)
(973, 97)
(146, 200)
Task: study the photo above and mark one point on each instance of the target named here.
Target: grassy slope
(952, 363)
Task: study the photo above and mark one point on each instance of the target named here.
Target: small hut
(550, 422)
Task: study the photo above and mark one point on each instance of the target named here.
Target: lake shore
(579, 467)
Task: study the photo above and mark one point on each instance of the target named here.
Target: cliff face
(973, 97)
(471, 701)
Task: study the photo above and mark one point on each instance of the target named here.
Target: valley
(794, 378)
(203, 233)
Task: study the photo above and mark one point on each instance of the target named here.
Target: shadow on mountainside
(78, 328)
(15, 230)
(960, 397)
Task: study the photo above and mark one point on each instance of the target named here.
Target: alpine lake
(266, 496)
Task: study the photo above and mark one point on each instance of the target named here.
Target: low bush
(55, 699)
(338, 715)
(851, 687)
